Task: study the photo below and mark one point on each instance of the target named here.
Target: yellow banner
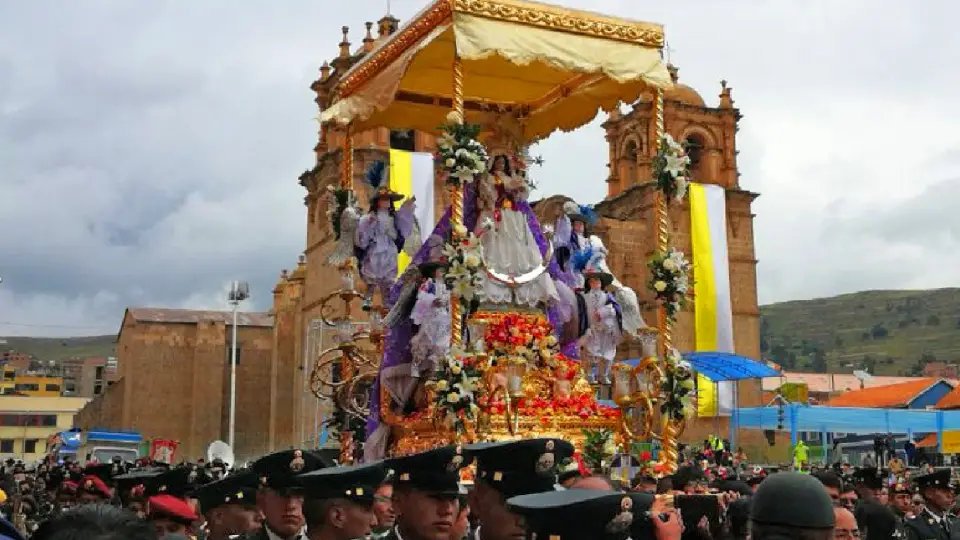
(705, 305)
(401, 181)
(951, 442)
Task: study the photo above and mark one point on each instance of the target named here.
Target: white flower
(459, 231)
(470, 260)
(609, 447)
(681, 188)
(548, 230)
(455, 369)
(464, 175)
(463, 289)
(668, 264)
(675, 165)
(660, 286)
(450, 162)
(453, 397)
(487, 224)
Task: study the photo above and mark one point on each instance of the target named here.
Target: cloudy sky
(149, 151)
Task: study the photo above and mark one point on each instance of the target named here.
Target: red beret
(93, 484)
(68, 486)
(170, 507)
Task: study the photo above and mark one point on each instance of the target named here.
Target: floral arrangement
(461, 156)
(585, 406)
(671, 169)
(598, 447)
(455, 384)
(520, 335)
(465, 255)
(564, 368)
(677, 387)
(670, 280)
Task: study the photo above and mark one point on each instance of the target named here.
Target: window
(6, 446)
(239, 350)
(98, 373)
(28, 387)
(97, 389)
(52, 387)
(403, 139)
(28, 420)
(30, 446)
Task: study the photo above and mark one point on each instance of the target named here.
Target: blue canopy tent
(723, 367)
(799, 417)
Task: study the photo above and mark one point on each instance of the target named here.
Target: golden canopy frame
(548, 67)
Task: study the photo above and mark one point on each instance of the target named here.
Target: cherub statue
(601, 324)
(382, 233)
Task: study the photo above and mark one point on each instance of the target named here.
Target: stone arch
(631, 148)
(701, 146)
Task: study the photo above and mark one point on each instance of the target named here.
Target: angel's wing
(344, 248)
(404, 304)
(629, 308)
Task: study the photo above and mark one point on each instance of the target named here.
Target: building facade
(27, 422)
(88, 377)
(174, 382)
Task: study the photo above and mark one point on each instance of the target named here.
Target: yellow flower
(660, 286)
(441, 385)
(473, 408)
(455, 370)
(453, 397)
(459, 231)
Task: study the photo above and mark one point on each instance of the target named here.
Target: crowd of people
(536, 488)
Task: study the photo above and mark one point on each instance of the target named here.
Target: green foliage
(56, 349)
(596, 448)
(891, 327)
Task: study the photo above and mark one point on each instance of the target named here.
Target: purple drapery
(397, 341)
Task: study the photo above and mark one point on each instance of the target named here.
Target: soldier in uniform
(167, 507)
(508, 469)
(338, 501)
(901, 502)
(132, 489)
(229, 505)
(934, 521)
(873, 517)
(426, 493)
(280, 498)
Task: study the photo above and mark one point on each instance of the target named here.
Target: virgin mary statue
(514, 246)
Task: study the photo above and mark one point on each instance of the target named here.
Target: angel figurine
(382, 233)
(601, 324)
(572, 236)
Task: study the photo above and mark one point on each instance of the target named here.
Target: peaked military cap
(776, 502)
(434, 471)
(581, 514)
(103, 471)
(279, 470)
(238, 488)
(901, 486)
(352, 482)
(937, 479)
(520, 467)
(175, 482)
(868, 477)
(132, 485)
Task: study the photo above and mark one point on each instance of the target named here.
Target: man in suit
(338, 501)
(427, 493)
(280, 497)
(934, 521)
(508, 469)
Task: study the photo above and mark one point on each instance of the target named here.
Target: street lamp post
(239, 291)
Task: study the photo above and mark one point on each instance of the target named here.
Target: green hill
(56, 349)
(885, 332)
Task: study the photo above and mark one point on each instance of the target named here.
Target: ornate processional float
(493, 330)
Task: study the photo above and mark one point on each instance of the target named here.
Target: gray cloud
(149, 152)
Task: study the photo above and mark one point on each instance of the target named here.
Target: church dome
(680, 92)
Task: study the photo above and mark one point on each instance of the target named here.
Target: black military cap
(279, 470)
(239, 488)
(352, 482)
(176, 482)
(434, 471)
(520, 467)
(103, 471)
(775, 502)
(937, 479)
(132, 485)
(581, 514)
(868, 477)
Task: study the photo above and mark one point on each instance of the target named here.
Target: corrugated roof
(893, 395)
(826, 383)
(191, 316)
(950, 401)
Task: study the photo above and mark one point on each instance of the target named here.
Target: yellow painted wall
(24, 419)
(37, 385)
